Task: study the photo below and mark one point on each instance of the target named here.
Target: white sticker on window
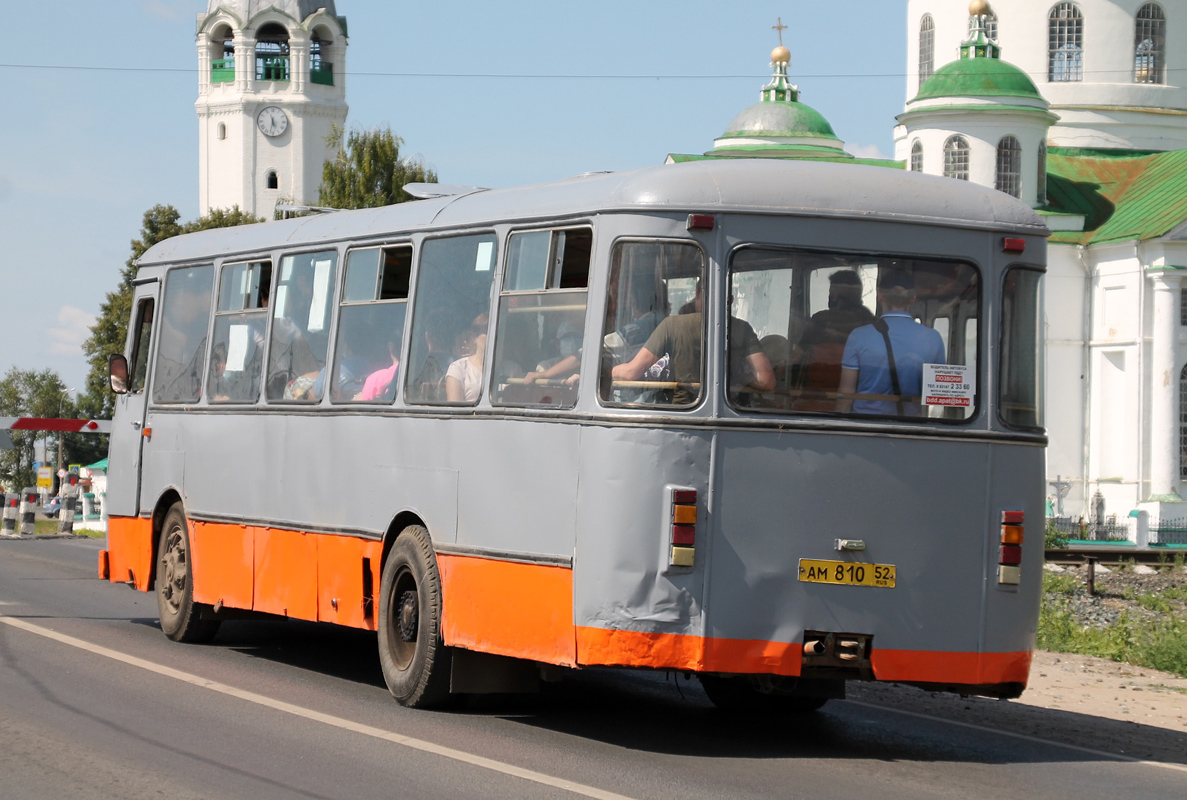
(321, 288)
(237, 347)
(949, 385)
(485, 257)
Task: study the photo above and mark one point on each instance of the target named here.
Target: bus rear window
(371, 325)
(848, 334)
(1020, 400)
(654, 332)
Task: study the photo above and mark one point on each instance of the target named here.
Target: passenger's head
(568, 338)
(896, 289)
(844, 289)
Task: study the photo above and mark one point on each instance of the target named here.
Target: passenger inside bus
(380, 386)
(463, 379)
(866, 366)
(672, 354)
(428, 386)
(823, 342)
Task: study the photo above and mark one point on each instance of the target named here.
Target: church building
(271, 86)
(1080, 110)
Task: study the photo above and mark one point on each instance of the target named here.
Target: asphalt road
(95, 702)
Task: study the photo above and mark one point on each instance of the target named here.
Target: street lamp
(61, 404)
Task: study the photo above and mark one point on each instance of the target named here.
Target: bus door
(127, 430)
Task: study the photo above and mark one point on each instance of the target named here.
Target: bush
(1053, 538)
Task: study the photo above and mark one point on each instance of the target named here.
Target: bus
(619, 420)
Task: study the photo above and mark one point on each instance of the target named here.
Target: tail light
(1009, 569)
(683, 537)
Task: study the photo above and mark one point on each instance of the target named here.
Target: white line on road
(317, 716)
(1022, 736)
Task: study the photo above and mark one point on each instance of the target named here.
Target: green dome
(779, 120)
(978, 77)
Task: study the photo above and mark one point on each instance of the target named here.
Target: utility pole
(61, 404)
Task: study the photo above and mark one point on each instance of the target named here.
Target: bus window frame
(1040, 352)
(219, 267)
(547, 290)
(429, 406)
(331, 323)
(707, 324)
(404, 241)
(981, 371)
(154, 378)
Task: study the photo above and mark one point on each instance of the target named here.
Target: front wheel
(181, 617)
(416, 662)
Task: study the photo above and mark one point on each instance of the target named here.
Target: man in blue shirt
(865, 366)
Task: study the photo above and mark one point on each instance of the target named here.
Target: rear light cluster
(1009, 569)
(684, 527)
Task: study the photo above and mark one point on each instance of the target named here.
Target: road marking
(317, 716)
(1022, 736)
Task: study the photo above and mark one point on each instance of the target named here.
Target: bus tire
(416, 663)
(181, 618)
(738, 693)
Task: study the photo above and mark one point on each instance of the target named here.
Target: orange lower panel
(507, 608)
(341, 561)
(924, 666)
(129, 550)
(601, 646)
(285, 573)
(222, 564)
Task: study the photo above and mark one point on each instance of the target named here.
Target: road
(95, 702)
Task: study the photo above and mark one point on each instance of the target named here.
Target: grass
(47, 526)
(1159, 643)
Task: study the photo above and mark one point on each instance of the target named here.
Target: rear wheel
(753, 694)
(181, 617)
(415, 660)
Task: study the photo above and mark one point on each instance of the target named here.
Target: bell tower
(271, 85)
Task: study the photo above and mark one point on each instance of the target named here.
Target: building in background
(271, 86)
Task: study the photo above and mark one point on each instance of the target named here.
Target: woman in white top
(463, 379)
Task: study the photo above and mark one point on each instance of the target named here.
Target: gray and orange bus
(601, 422)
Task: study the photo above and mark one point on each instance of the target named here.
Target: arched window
(1149, 45)
(273, 181)
(272, 53)
(956, 158)
(1041, 194)
(222, 130)
(917, 156)
(321, 70)
(1065, 43)
(990, 24)
(222, 55)
(1183, 424)
(927, 48)
(1009, 167)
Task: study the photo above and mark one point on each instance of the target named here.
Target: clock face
(272, 121)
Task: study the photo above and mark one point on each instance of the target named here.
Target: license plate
(847, 573)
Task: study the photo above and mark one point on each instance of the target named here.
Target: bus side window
(301, 308)
(141, 345)
(181, 351)
(371, 325)
(450, 320)
(654, 332)
(240, 323)
(542, 319)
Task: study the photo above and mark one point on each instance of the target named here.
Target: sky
(100, 123)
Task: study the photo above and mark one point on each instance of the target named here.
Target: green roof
(803, 152)
(786, 119)
(978, 77)
(100, 464)
(1142, 197)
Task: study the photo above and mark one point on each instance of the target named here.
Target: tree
(110, 330)
(29, 393)
(368, 171)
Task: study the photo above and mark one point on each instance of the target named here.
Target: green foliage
(1060, 583)
(1053, 538)
(368, 171)
(30, 393)
(110, 331)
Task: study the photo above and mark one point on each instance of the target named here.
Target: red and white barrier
(51, 424)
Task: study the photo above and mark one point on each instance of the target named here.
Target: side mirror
(117, 371)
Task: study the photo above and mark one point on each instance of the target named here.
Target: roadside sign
(75, 469)
(45, 477)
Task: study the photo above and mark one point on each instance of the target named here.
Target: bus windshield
(827, 323)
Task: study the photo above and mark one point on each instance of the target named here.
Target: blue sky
(85, 151)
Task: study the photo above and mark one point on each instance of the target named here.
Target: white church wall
(1066, 371)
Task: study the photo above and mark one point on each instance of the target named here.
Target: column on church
(1164, 422)
(245, 63)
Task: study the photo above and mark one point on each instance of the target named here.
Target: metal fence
(1110, 529)
(1168, 531)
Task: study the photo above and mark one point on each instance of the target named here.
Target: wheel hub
(409, 615)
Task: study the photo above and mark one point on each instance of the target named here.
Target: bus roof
(718, 186)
